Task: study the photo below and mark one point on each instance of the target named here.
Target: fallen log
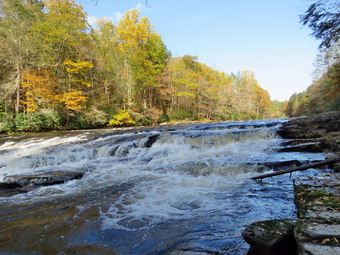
(299, 168)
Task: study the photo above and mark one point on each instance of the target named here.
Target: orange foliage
(74, 100)
(40, 90)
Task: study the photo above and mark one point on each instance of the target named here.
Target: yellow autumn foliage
(40, 90)
(74, 100)
(122, 118)
(77, 67)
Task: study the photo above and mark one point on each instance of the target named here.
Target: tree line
(58, 72)
(323, 17)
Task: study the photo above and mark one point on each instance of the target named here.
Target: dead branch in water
(299, 168)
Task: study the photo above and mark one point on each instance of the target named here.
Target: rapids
(175, 190)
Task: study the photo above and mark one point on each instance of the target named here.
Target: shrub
(52, 120)
(180, 114)
(164, 118)
(122, 118)
(36, 122)
(141, 119)
(96, 118)
(30, 122)
(6, 123)
(76, 121)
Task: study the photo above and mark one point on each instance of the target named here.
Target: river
(169, 190)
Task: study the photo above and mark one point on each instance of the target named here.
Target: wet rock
(295, 142)
(50, 178)
(16, 184)
(306, 147)
(4, 192)
(336, 167)
(112, 152)
(272, 237)
(9, 185)
(151, 140)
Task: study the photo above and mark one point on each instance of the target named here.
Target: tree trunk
(299, 168)
(17, 103)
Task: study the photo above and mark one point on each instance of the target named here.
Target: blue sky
(263, 36)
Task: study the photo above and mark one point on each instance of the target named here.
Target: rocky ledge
(322, 129)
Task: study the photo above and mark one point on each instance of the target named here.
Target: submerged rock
(272, 237)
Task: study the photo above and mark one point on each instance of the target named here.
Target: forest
(324, 93)
(58, 72)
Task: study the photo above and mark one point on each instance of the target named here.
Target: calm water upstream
(184, 190)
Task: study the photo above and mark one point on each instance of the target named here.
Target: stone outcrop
(323, 129)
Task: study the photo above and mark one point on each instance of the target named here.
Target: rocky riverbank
(317, 197)
(318, 202)
(323, 130)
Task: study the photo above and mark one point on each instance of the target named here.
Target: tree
(41, 90)
(323, 17)
(109, 64)
(325, 59)
(16, 43)
(144, 57)
(62, 32)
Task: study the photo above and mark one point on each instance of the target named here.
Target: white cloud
(117, 16)
(92, 20)
(139, 7)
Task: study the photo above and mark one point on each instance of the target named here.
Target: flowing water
(179, 190)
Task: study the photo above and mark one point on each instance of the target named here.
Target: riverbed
(168, 190)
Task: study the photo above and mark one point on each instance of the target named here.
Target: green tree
(323, 17)
(109, 64)
(145, 57)
(16, 44)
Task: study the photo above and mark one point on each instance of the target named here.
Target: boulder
(151, 140)
(272, 237)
